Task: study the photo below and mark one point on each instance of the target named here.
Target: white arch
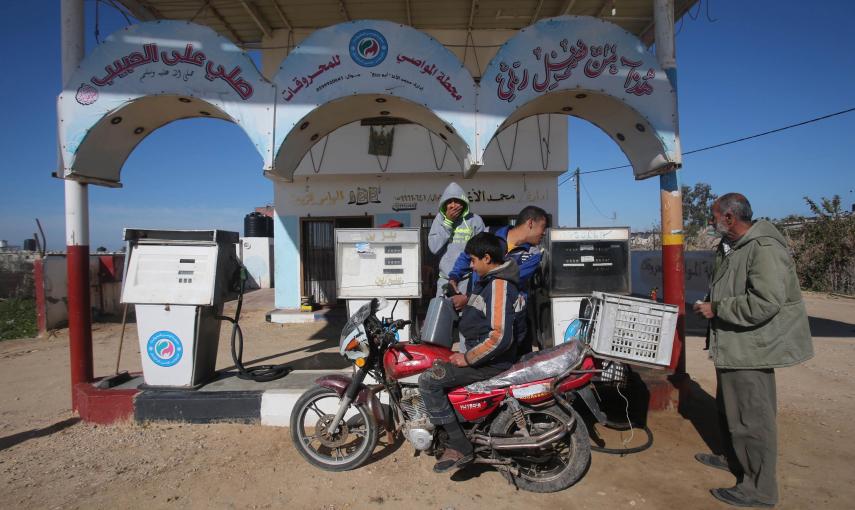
(146, 76)
(370, 68)
(591, 69)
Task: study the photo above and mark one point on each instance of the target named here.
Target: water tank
(29, 245)
(256, 224)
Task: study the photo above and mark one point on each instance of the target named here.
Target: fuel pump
(578, 262)
(178, 282)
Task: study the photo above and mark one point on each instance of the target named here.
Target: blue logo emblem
(165, 349)
(368, 47)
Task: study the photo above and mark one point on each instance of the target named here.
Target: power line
(594, 203)
(744, 138)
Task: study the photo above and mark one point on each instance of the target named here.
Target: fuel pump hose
(258, 373)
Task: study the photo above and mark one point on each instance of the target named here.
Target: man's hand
(704, 308)
(453, 285)
(459, 301)
(458, 359)
(453, 210)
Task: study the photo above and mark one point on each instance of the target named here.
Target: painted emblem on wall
(164, 348)
(86, 94)
(368, 47)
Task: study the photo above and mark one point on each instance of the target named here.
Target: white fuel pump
(379, 262)
(178, 281)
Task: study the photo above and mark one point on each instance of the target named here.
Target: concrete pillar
(673, 274)
(286, 239)
(76, 220)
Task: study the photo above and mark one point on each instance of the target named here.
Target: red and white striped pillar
(76, 221)
(673, 273)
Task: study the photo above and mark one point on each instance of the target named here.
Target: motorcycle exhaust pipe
(522, 443)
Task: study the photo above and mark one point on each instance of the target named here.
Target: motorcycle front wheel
(553, 467)
(346, 448)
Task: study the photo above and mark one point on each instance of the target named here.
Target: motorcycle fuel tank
(405, 359)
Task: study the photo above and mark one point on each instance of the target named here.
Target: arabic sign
(606, 76)
(132, 84)
(147, 62)
(360, 60)
(488, 193)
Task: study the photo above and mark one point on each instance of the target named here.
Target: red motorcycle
(521, 421)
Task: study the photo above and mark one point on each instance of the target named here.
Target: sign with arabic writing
(594, 70)
(147, 75)
(414, 76)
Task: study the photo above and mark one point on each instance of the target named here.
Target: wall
(537, 144)
(16, 274)
(105, 288)
(408, 196)
(647, 274)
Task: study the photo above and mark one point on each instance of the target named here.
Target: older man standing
(758, 323)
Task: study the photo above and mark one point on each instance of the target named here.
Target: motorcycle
(521, 422)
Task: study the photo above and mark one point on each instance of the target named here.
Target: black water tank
(29, 245)
(256, 224)
(269, 225)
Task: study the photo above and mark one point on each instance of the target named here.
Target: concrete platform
(295, 316)
(226, 398)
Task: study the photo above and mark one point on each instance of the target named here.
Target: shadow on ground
(831, 328)
(20, 437)
(699, 407)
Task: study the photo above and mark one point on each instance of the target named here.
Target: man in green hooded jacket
(758, 323)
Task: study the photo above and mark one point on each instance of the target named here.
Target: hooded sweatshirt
(487, 320)
(448, 238)
(760, 319)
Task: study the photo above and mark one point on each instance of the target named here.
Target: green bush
(18, 318)
(824, 248)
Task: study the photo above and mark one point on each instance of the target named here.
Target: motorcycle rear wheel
(552, 468)
(346, 449)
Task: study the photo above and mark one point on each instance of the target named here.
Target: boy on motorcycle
(523, 245)
(487, 324)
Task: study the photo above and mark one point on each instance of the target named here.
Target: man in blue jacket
(522, 243)
(487, 324)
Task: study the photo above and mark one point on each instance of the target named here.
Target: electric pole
(578, 204)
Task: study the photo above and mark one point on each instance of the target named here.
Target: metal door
(317, 253)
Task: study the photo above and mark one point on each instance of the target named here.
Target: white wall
(536, 144)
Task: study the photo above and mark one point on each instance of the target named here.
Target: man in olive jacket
(758, 322)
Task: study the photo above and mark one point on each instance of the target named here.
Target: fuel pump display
(579, 266)
(581, 261)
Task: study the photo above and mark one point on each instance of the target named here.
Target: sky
(742, 67)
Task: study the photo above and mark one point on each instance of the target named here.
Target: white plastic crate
(633, 330)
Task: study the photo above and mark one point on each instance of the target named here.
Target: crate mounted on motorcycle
(525, 421)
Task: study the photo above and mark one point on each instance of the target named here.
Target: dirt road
(49, 460)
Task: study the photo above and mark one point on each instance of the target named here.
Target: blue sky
(759, 66)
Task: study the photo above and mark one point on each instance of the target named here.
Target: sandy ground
(50, 460)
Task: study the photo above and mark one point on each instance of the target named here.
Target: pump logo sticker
(368, 47)
(165, 349)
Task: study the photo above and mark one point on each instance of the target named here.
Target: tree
(697, 202)
(824, 250)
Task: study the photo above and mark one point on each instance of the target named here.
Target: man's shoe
(733, 497)
(452, 459)
(715, 461)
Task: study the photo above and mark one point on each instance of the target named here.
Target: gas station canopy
(248, 22)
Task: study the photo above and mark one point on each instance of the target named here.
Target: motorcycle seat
(534, 366)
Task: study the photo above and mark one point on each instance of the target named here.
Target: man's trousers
(748, 400)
